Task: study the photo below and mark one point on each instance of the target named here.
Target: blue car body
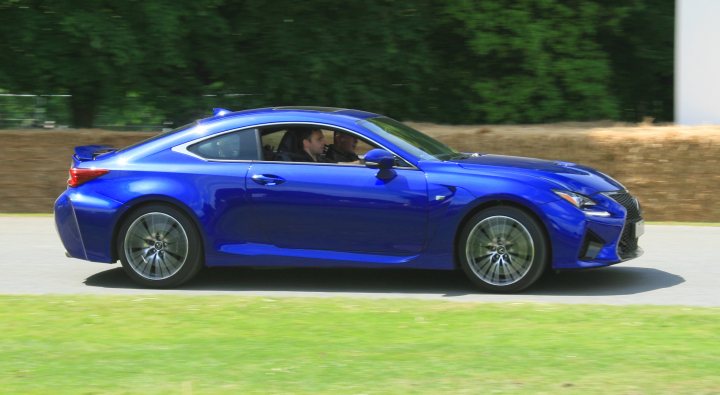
(325, 214)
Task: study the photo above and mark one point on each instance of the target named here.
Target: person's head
(345, 142)
(313, 141)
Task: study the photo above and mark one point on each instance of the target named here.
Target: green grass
(229, 344)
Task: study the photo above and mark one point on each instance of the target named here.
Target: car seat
(289, 149)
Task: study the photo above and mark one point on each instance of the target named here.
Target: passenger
(343, 148)
(312, 144)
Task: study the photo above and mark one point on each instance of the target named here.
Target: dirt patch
(673, 170)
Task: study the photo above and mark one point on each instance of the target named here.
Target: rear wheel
(502, 249)
(159, 247)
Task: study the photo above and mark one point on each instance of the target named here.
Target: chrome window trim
(183, 148)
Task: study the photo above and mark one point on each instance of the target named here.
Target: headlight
(578, 200)
(582, 202)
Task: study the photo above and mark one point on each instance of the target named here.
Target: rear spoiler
(90, 152)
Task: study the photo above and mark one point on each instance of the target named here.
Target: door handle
(267, 179)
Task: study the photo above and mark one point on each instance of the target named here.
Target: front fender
(563, 224)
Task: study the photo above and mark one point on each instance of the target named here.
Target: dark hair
(302, 133)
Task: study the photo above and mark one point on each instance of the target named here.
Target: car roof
(329, 112)
(341, 117)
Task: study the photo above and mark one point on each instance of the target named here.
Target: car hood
(565, 175)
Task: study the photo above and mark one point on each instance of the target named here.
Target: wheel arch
(148, 200)
(498, 202)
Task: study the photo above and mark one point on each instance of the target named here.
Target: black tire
(159, 247)
(502, 249)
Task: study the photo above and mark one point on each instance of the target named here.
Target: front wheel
(502, 249)
(159, 247)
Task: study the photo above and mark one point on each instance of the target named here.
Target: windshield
(409, 139)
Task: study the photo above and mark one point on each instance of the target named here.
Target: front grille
(628, 245)
(628, 242)
(630, 203)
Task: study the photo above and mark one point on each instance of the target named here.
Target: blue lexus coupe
(261, 188)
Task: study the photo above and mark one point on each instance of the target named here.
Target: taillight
(81, 176)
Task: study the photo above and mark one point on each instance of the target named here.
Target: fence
(32, 111)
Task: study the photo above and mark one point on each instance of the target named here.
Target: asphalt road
(680, 267)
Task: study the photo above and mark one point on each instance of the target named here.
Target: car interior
(282, 143)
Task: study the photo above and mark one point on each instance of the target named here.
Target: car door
(339, 207)
(220, 181)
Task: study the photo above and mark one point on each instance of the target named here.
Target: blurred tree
(534, 60)
(102, 52)
(186, 50)
(464, 61)
(65, 47)
(370, 55)
(641, 51)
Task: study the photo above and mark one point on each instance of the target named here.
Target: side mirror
(379, 159)
(382, 160)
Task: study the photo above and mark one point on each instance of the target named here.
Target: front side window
(284, 143)
(239, 145)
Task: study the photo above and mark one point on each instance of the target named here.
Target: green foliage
(535, 61)
(642, 60)
(428, 60)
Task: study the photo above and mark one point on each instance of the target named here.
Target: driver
(343, 148)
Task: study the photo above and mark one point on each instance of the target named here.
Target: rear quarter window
(240, 145)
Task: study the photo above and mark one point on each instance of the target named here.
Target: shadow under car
(615, 280)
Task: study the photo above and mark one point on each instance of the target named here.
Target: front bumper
(582, 241)
(610, 248)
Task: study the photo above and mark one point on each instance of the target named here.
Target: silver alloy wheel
(500, 250)
(156, 246)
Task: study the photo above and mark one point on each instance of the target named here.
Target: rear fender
(145, 200)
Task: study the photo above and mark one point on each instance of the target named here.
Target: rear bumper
(68, 229)
(84, 222)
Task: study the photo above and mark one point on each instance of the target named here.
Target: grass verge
(228, 344)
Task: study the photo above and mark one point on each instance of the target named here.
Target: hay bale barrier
(673, 170)
(34, 164)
